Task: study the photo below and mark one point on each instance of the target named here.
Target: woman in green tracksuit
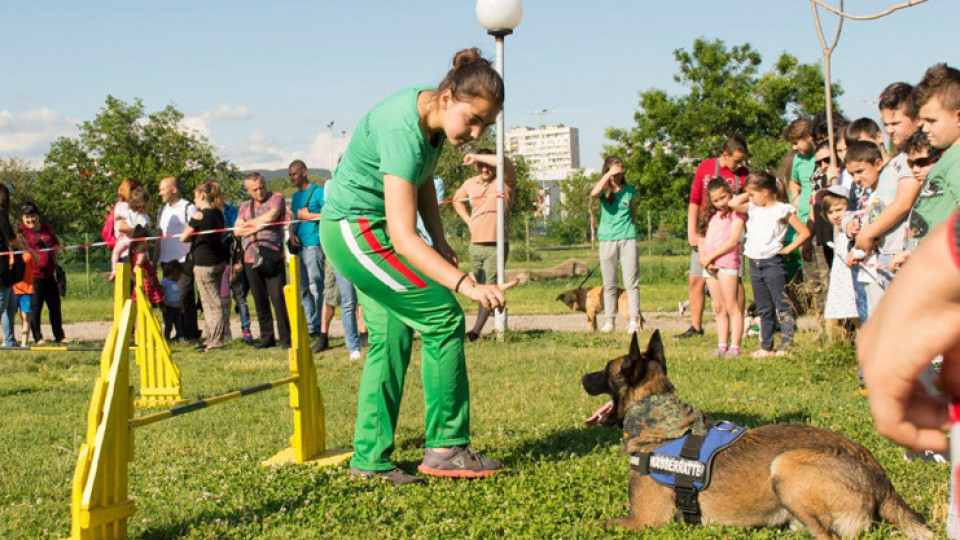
(368, 232)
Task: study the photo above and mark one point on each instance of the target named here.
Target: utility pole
(331, 150)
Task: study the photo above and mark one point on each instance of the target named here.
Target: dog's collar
(660, 417)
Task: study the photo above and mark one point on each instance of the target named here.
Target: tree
(828, 52)
(574, 207)
(727, 95)
(80, 176)
(20, 180)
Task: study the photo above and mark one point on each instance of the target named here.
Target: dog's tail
(894, 510)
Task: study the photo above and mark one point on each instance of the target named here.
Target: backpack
(107, 232)
(12, 267)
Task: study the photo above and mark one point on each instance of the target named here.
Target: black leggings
(45, 290)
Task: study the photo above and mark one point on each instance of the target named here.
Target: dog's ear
(634, 366)
(655, 350)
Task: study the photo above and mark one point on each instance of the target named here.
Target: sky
(265, 80)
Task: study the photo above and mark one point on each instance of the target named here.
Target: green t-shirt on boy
(938, 197)
(616, 219)
(388, 140)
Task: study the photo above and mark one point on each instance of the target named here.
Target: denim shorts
(24, 300)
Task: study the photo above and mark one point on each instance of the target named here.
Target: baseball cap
(837, 190)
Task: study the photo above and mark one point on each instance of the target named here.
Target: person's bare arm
(740, 203)
(400, 198)
(917, 319)
(459, 206)
(430, 212)
(802, 234)
(794, 188)
(693, 214)
(907, 191)
(736, 228)
(249, 227)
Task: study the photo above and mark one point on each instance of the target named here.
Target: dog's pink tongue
(599, 414)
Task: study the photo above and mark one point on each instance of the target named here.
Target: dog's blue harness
(686, 464)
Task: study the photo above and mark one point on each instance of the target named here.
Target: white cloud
(222, 113)
(325, 151)
(28, 134)
(226, 113)
(195, 123)
(265, 151)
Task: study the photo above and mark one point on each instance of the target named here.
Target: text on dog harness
(685, 464)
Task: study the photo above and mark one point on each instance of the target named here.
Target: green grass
(199, 476)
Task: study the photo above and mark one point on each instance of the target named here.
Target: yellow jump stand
(99, 502)
(100, 505)
(159, 374)
(308, 442)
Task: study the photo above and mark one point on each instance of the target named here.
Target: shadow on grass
(559, 444)
(21, 391)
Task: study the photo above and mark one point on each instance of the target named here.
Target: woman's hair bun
(466, 57)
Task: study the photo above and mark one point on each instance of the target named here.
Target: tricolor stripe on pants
(385, 254)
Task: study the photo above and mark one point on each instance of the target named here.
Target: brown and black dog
(771, 476)
(590, 301)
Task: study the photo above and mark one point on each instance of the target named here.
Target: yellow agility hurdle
(159, 374)
(100, 504)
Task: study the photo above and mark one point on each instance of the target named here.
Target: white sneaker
(632, 327)
(607, 328)
(355, 355)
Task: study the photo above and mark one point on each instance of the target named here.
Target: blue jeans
(768, 278)
(239, 289)
(8, 316)
(311, 285)
(348, 311)
(861, 295)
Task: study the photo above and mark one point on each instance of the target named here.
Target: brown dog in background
(590, 301)
(771, 476)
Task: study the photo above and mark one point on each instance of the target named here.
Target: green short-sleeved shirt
(388, 140)
(938, 197)
(616, 219)
(800, 173)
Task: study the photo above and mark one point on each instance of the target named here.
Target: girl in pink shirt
(720, 256)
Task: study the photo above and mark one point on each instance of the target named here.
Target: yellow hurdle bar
(100, 505)
(208, 402)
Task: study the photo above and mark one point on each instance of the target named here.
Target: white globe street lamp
(499, 18)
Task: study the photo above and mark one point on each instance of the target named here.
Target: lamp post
(499, 18)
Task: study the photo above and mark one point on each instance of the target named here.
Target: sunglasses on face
(924, 161)
(822, 161)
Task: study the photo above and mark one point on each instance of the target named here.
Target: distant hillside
(314, 174)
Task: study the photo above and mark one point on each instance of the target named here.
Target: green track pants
(396, 300)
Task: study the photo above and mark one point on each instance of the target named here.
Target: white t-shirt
(123, 211)
(893, 240)
(173, 219)
(766, 227)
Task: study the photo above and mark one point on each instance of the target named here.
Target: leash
(590, 273)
